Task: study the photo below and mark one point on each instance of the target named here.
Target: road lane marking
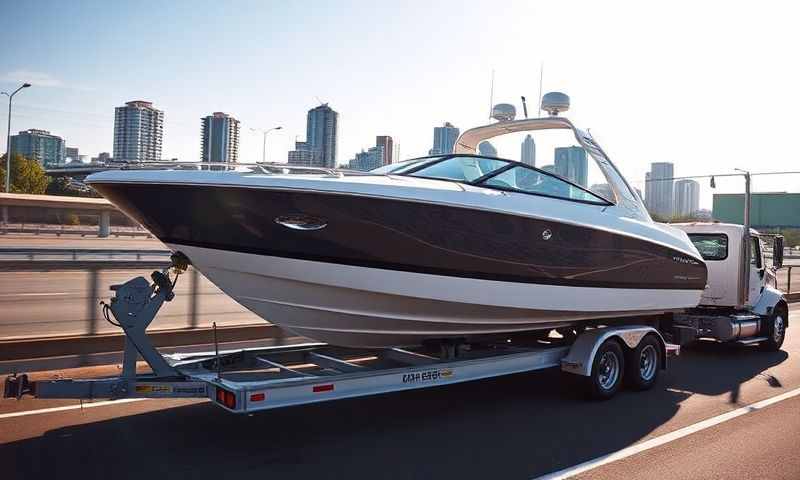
(70, 407)
(44, 294)
(666, 438)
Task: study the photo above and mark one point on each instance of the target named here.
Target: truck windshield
(712, 246)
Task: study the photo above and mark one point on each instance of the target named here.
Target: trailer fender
(581, 355)
(768, 300)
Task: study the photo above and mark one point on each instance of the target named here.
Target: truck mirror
(777, 251)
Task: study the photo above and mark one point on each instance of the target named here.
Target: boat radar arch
(504, 112)
(555, 102)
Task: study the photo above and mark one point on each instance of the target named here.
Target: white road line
(44, 294)
(70, 407)
(666, 438)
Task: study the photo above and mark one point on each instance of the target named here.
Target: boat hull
(357, 270)
(367, 307)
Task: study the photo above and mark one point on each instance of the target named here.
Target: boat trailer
(253, 379)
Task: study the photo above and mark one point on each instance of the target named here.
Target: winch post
(134, 306)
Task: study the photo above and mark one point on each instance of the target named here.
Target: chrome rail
(266, 168)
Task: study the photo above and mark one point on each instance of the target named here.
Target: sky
(709, 86)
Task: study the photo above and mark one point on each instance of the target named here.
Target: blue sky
(707, 86)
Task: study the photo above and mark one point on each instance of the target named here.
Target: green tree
(27, 176)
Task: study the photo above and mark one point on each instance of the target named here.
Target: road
(517, 427)
(36, 304)
(76, 241)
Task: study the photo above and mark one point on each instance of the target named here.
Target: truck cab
(741, 302)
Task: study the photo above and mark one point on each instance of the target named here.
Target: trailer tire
(774, 330)
(608, 368)
(643, 364)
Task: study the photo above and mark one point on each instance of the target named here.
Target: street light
(264, 149)
(8, 136)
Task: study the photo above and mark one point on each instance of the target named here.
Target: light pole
(8, 135)
(264, 148)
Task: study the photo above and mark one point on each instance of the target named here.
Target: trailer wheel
(643, 364)
(775, 331)
(607, 371)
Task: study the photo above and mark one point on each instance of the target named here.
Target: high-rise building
(302, 155)
(548, 168)
(73, 154)
(444, 139)
(387, 143)
(572, 164)
(487, 149)
(220, 138)
(659, 189)
(687, 197)
(138, 132)
(372, 158)
(322, 129)
(528, 153)
(39, 145)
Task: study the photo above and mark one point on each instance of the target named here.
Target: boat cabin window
(712, 246)
(460, 168)
(528, 180)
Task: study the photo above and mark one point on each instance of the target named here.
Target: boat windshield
(524, 179)
(400, 167)
(459, 168)
(502, 175)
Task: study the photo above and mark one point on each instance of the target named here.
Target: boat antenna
(541, 75)
(524, 106)
(491, 95)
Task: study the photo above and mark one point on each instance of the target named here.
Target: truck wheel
(775, 331)
(607, 371)
(643, 364)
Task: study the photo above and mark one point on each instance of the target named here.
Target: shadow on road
(716, 368)
(514, 427)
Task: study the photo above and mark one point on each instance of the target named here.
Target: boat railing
(269, 168)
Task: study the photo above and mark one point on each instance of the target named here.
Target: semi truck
(741, 302)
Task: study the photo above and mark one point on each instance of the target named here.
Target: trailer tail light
(323, 388)
(257, 397)
(226, 398)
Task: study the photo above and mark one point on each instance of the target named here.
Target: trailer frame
(254, 379)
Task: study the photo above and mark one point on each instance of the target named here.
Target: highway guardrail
(59, 230)
(45, 258)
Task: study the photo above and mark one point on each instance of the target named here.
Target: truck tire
(774, 330)
(643, 364)
(608, 369)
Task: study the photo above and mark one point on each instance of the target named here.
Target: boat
(452, 247)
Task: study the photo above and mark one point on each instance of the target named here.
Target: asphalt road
(520, 426)
(36, 304)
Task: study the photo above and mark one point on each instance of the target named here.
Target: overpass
(103, 207)
(79, 173)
